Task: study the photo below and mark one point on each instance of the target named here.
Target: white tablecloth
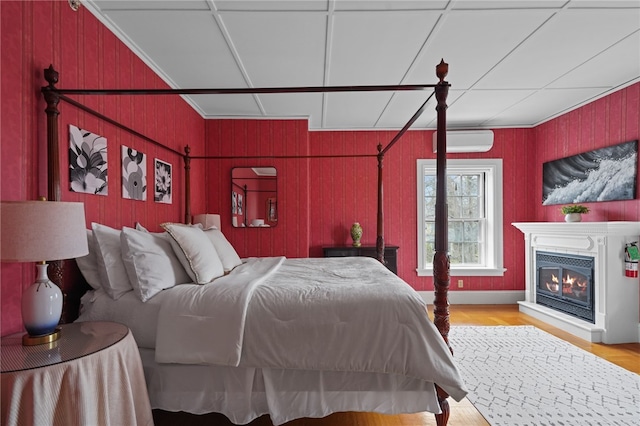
(104, 388)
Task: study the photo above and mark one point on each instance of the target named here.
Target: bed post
(441, 257)
(53, 158)
(187, 185)
(56, 267)
(380, 230)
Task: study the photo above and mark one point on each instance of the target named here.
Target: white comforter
(333, 314)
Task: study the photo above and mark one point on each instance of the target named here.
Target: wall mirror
(254, 197)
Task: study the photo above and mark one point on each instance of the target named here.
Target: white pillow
(228, 255)
(150, 262)
(195, 251)
(88, 264)
(113, 274)
(139, 227)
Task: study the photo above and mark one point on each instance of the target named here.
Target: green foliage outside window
(465, 203)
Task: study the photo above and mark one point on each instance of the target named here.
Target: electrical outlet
(460, 284)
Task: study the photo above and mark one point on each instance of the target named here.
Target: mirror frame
(257, 188)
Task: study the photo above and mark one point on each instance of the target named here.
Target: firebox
(565, 283)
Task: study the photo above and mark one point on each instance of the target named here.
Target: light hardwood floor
(462, 413)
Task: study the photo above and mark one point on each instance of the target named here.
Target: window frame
(493, 247)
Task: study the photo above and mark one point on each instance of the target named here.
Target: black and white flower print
(87, 162)
(134, 174)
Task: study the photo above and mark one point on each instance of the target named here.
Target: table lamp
(39, 231)
(207, 220)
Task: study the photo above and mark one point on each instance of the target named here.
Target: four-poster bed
(54, 95)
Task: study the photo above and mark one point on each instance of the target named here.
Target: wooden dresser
(390, 254)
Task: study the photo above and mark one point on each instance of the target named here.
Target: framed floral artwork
(162, 193)
(87, 162)
(134, 174)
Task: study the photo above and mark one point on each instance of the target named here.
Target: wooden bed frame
(73, 287)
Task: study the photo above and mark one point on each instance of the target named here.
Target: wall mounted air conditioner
(466, 140)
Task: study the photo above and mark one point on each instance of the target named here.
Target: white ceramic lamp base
(41, 308)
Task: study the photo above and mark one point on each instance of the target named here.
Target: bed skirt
(244, 394)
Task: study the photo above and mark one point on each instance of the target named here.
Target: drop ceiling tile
(279, 49)
(404, 105)
(354, 110)
(600, 4)
(508, 4)
(307, 105)
(386, 5)
(472, 53)
(271, 5)
(376, 48)
(474, 105)
(543, 105)
(567, 39)
(152, 4)
(598, 70)
(174, 42)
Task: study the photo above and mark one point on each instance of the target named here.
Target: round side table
(91, 375)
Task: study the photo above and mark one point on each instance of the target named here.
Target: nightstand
(390, 254)
(91, 375)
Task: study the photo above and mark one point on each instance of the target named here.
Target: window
(474, 203)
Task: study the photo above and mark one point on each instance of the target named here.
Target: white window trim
(495, 252)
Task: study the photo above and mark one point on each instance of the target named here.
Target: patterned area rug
(523, 376)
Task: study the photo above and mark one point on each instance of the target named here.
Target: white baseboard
(479, 297)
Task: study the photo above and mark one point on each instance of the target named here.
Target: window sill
(466, 272)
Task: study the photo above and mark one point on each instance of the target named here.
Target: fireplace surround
(615, 297)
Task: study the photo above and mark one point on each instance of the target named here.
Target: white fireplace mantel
(616, 296)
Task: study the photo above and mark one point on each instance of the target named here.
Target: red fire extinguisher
(631, 258)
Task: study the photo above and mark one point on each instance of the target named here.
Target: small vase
(356, 234)
(41, 304)
(573, 217)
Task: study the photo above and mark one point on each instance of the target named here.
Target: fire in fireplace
(565, 283)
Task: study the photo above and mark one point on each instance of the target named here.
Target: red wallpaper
(347, 192)
(36, 34)
(608, 121)
(262, 139)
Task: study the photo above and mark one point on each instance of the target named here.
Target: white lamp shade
(34, 231)
(207, 220)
